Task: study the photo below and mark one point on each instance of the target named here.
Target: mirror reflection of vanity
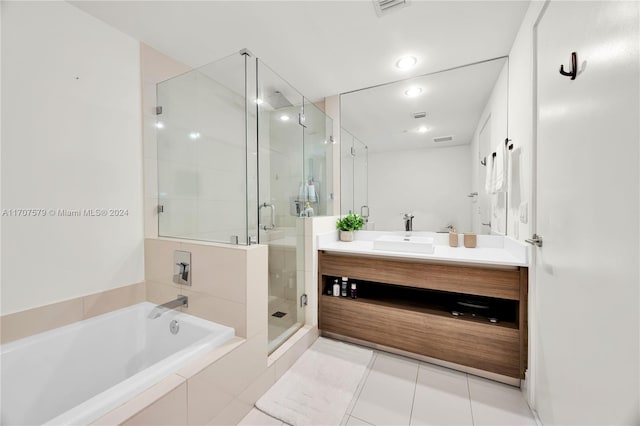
(417, 146)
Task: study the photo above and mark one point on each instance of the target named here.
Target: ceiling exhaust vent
(443, 139)
(385, 6)
(419, 114)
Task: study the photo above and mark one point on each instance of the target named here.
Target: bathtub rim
(97, 406)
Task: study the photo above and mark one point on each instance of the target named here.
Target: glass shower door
(281, 200)
(317, 166)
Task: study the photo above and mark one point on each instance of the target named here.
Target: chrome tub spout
(161, 309)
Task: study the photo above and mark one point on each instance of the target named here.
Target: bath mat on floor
(318, 388)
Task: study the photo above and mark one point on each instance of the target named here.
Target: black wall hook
(574, 67)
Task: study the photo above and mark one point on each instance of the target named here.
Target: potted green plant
(348, 224)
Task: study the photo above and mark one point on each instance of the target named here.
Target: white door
(588, 187)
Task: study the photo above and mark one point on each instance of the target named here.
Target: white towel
(312, 195)
(500, 169)
(488, 180)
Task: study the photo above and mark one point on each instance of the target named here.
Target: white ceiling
(321, 47)
(381, 117)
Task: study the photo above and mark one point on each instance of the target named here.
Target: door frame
(533, 293)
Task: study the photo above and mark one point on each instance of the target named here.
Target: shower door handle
(273, 217)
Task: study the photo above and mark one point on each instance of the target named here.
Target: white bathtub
(75, 374)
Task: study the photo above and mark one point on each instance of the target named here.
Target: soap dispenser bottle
(336, 287)
(308, 210)
(344, 286)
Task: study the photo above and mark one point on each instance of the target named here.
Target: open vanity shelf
(474, 316)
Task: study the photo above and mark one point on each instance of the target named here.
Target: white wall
(332, 108)
(491, 131)
(398, 182)
(520, 130)
(70, 140)
(521, 115)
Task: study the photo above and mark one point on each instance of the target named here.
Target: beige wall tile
(232, 413)
(158, 260)
(217, 310)
(205, 401)
(138, 403)
(215, 387)
(255, 390)
(159, 293)
(170, 410)
(257, 290)
(107, 301)
(218, 271)
(26, 323)
(200, 364)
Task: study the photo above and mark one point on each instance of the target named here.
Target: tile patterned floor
(402, 391)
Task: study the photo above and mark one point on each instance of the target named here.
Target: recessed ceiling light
(412, 92)
(422, 129)
(406, 62)
(284, 117)
(194, 135)
(259, 101)
(160, 125)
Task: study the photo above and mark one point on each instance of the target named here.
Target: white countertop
(491, 249)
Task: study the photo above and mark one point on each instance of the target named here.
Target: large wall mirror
(425, 146)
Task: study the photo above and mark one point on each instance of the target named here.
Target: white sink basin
(404, 244)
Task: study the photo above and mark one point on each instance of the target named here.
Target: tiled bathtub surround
(229, 283)
(32, 321)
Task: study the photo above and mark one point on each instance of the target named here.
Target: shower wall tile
(179, 218)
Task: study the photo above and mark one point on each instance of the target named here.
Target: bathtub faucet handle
(184, 270)
(182, 267)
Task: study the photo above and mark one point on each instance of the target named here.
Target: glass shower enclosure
(243, 158)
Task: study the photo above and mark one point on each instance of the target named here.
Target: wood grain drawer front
(500, 283)
(484, 346)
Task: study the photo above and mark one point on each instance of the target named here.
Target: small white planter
(346, 235)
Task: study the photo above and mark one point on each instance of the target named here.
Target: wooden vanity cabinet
(407, 305)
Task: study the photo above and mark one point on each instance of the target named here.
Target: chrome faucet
(161, 309)
(408, 222)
